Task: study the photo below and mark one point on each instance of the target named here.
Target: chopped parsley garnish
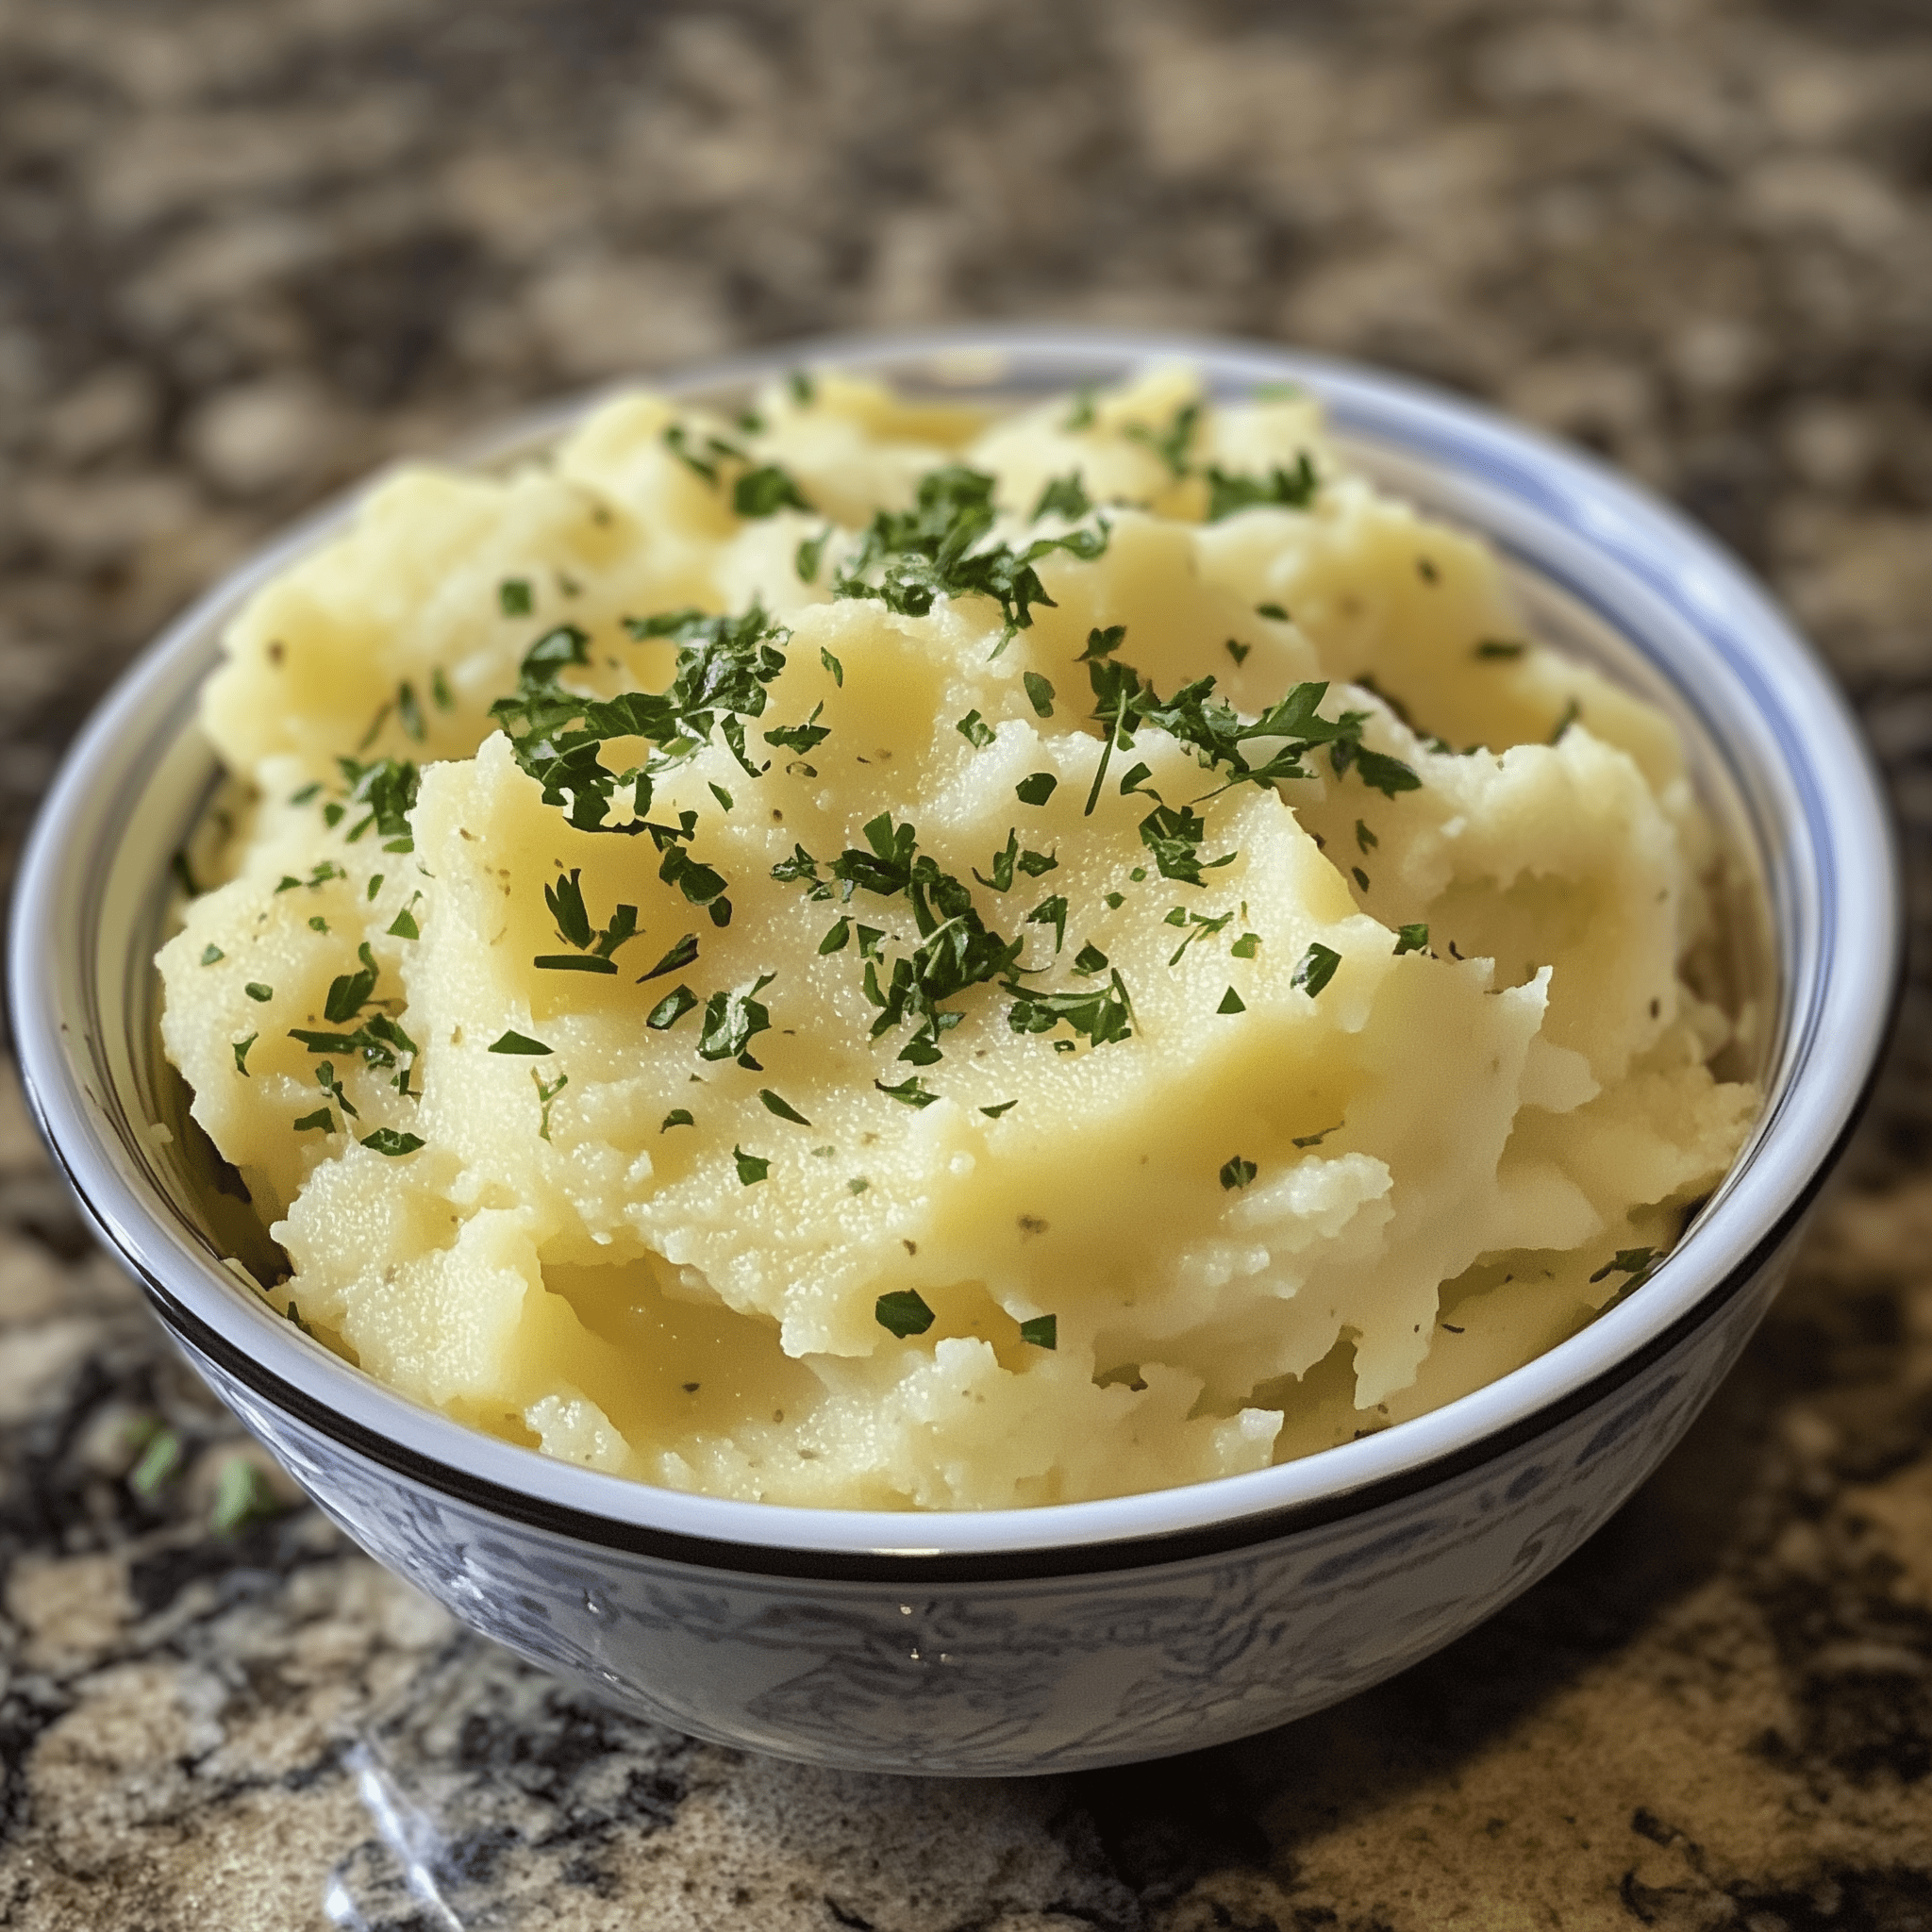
(1571, 711)
(546, 1093)
(1037, 788)
(1064, 496)
(802, 388)
(677, 1117)
(810, 555)
(833, 665)
(1051, 913)
(1636, 1262)
(1246, 946)
(732, 1021)
(258, 993)
(974, 730)
(910, 1091)
(1231, 1002)
(670, 1009)
(1237, 1174)
(719, 681)
(1216, 734)
(1289, 489)
(1043, 1331)
(594, 948)
(513, 598)
(409, 712)
(957, 949)
(349, 993)
(1100, 1013)
(1080, 412)
(1316, 1139)
(1169, 444)
(752, 1168)
(403, 926)
(239, 1049)
(209, 954)
(1412, 939)
(1360, 876)
(1500, 647)
(382, 795)
(909, 558)
(1315, 968)
(321, 1118)
(993, 1114)
(325, 1078)
(1090, 959)
(680, 956)
(903, 1312)
(513, 1041)
(1199, 927)
(763, 492)
(1274, 610)
(1237, 649)
(778, 1104)
(1039, 693)
(1364, 839)
(440, 692)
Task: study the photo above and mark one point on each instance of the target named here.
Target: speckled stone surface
(249, 247)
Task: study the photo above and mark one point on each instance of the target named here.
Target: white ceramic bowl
(1081, 1634)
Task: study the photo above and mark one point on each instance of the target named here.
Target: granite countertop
(248, 247)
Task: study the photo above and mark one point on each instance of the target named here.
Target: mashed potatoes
(873, 956)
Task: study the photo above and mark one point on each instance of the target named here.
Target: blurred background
(250, 247)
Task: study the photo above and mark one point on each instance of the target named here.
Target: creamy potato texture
(767, 1053)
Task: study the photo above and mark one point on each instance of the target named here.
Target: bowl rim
(1784, 1166)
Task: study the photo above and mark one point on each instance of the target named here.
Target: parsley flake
(513, 598)
(680, 956)
(1238, 651)
(1412, 939)
(1636, 1262)
(258, 993)
(1316, 1139)
(1231, 1002)
(752, 1168)
(778, 1104)
(1064, 496)
(677, 1117)
(810, 555)
(1037, 788)
(1040, 693)
(513, 1041)
(239, 1049)
(763, 492)
(903, 1312)
(974, 730)
(1043, 1331)
(1315, 968)
(320, 1120)
(545, 1095)
(1499, 647)
(993, 1114)
(1287, 489)
(386, 1141)
(209, 954)
(911, 1092)
(670, 1009)
(1237, 1174)
(1274, 610)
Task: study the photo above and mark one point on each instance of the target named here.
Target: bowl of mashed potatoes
(968, 1054)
